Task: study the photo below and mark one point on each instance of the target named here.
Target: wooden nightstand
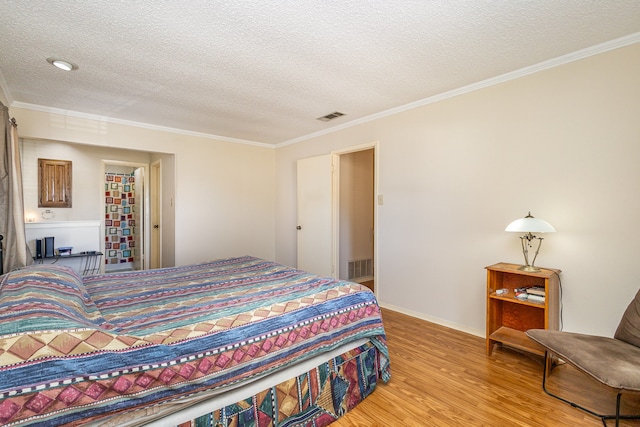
(509, 317)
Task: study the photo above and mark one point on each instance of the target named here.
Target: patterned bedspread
(78, 349)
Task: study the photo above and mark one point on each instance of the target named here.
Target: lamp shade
(529, 224)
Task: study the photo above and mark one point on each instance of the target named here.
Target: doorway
(337, 214)
(126, 216)
(356, 216)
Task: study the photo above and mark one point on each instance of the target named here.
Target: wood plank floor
(443, 377)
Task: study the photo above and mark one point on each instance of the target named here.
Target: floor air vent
(360, 268)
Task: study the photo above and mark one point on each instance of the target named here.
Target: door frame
(155, 212)
(146, 211)
(335, 205)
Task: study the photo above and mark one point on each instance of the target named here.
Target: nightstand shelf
(85, 263)
(508, 318)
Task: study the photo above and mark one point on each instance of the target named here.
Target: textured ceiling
(263, 71)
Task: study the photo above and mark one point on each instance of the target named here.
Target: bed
(232, 342)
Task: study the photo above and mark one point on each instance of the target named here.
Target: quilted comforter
(75, 349)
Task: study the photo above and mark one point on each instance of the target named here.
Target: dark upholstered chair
(614, 362)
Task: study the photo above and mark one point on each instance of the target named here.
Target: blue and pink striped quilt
(77, 349)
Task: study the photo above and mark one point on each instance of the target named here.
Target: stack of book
(531, 293)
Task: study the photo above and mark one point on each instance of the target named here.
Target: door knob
(299, 227)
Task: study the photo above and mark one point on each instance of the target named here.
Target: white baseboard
(435, 320)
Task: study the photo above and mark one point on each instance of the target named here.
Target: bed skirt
(313, 399)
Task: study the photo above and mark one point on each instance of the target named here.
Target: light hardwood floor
(443, 377)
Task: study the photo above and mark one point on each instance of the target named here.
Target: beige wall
(86, 180)
(563, 143)
(223, 198)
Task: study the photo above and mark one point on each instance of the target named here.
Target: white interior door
(155, 190)
(315, 215)
(138, 216)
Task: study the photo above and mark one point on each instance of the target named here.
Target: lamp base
(529, 268)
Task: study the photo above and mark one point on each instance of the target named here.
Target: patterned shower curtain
(120, 224)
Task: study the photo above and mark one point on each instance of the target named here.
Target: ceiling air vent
(331, 116)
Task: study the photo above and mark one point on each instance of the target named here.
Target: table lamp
(530, 225)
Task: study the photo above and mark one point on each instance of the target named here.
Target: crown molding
(545, 65)
(96, 117)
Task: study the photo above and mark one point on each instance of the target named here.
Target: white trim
(555, 62)
(335, 214)
(431, 319)
(155, 169)
(96, 117)
(61, 224)
(545, 65)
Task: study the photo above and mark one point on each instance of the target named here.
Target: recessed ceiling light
(63, 65)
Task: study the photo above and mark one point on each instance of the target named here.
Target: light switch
(380, 199)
